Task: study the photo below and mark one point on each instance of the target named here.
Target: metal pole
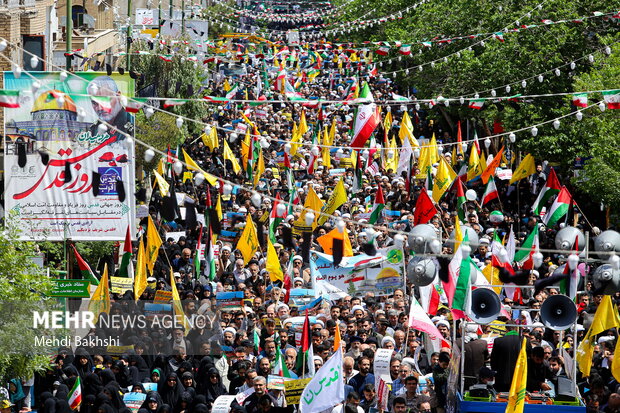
(68, 34)
(183, 17)
(463, 325)
(128, 47)
(170, 11)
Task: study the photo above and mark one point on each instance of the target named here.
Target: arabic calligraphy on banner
(55, 152)
(381, 273)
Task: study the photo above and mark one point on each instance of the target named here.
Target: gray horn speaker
(485, 306)
(558, 312)
(421, 271)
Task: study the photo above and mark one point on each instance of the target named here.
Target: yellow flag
(161, 166)
(179, 315)
(273, 266)
(474, 168)
(139, 281)
(406, 130)
(214, 139)
(312, 204)
(525, 169)
(327, 159)
(516, 397)
(443, 179)
(491, 273)
(228, 154)
(606, 317)
(295, 140)
(248, 243)
(458, 233)
(218, 207)
(191, 164)
(164, 186)
(303, 125)
(337, 198)
(100, 301)
(332, 131)
(153, 243)
(226, 85)
(260, 168)
(391, 156)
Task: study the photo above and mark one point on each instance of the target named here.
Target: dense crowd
(186, 370)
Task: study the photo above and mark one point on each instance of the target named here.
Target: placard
(382, 365)
(222, 404)
(134, 400)
(232, 300)
(162, 297)
(275, 382)
(121, 284)
(293, 390)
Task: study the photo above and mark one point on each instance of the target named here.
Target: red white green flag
(405, 49)
(523, 256)
(612, 98)
(124, 269)
(366, 119)
(9, 98)
(559, 208)
(490, 193)
(75, 395)
(133, 105)
(461, 201)
(462, 294)
(377, 207)
(476, 103)
(279, 366)
(551, 188)
(87, 272)
(580, 100)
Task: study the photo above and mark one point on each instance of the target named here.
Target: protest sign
(134, 401)
(229, 300)
(293, 390)
(121, 284)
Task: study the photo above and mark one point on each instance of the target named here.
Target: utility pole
(68, 34)
(128, 47)
(183, 16)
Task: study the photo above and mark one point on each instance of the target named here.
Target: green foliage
(22, 286)
(91, 251)
(159, 131)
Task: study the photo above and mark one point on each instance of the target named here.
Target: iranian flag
(523, 256)
(9, 99)
(232, 92)
(490, 192)
(399, 98)
(366, 119)
(551, 188)
(383, 50)
(476, 103)
(419, 320)
(430, 297)
(75, 395)
(405, 49)
(197, 256)
(306, 355)
(559, 208)
(374, 72)
(580, 100)
(277, 215)
(279, 366)
(133, 105)
(173, 102)
(612, 98)
(462, 294)
(104, 102)
(125, 270)
(87, 272)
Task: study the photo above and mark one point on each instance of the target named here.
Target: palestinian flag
(87, 272)
(490, 193)
(197, 256)
(305, 358)
(523, 256)
(133, 105)
(276, 216)
(580, 100)
(377, 207)
(551, 188)
(559, 208)
(256, 339)
(75, 395)
(612, 98)
(279, 366)
(461, 201)
(9, 99)
(405, 49)
(124, 268)
(476, 104)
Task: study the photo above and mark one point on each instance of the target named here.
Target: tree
(24, 288)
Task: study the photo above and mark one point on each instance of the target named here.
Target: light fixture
(512, 137)
(199, 178)
(178, 167)
(149, 154)
(601, 106)
(556, 124)
(579, 115)
(534, 131)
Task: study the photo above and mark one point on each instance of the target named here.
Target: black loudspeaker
(558, 312)
(485, 306)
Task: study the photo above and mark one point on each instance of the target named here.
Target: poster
(294, 389)
(381, 273)
(229, 301)
(65, 177)
(121, 284)
(381, 364)
(134, 400)
(222, 404)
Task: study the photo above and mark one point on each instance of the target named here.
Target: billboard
(64, 176)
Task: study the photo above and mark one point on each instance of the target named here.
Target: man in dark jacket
(504, 358)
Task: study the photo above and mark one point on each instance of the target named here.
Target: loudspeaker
(558, 312)
(485, 305)
(421, 271)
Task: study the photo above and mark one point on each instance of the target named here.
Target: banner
(55, 152)
(121, 284)
(294, 389)
(381, 273)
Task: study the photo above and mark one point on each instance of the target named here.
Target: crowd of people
(187, 369)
